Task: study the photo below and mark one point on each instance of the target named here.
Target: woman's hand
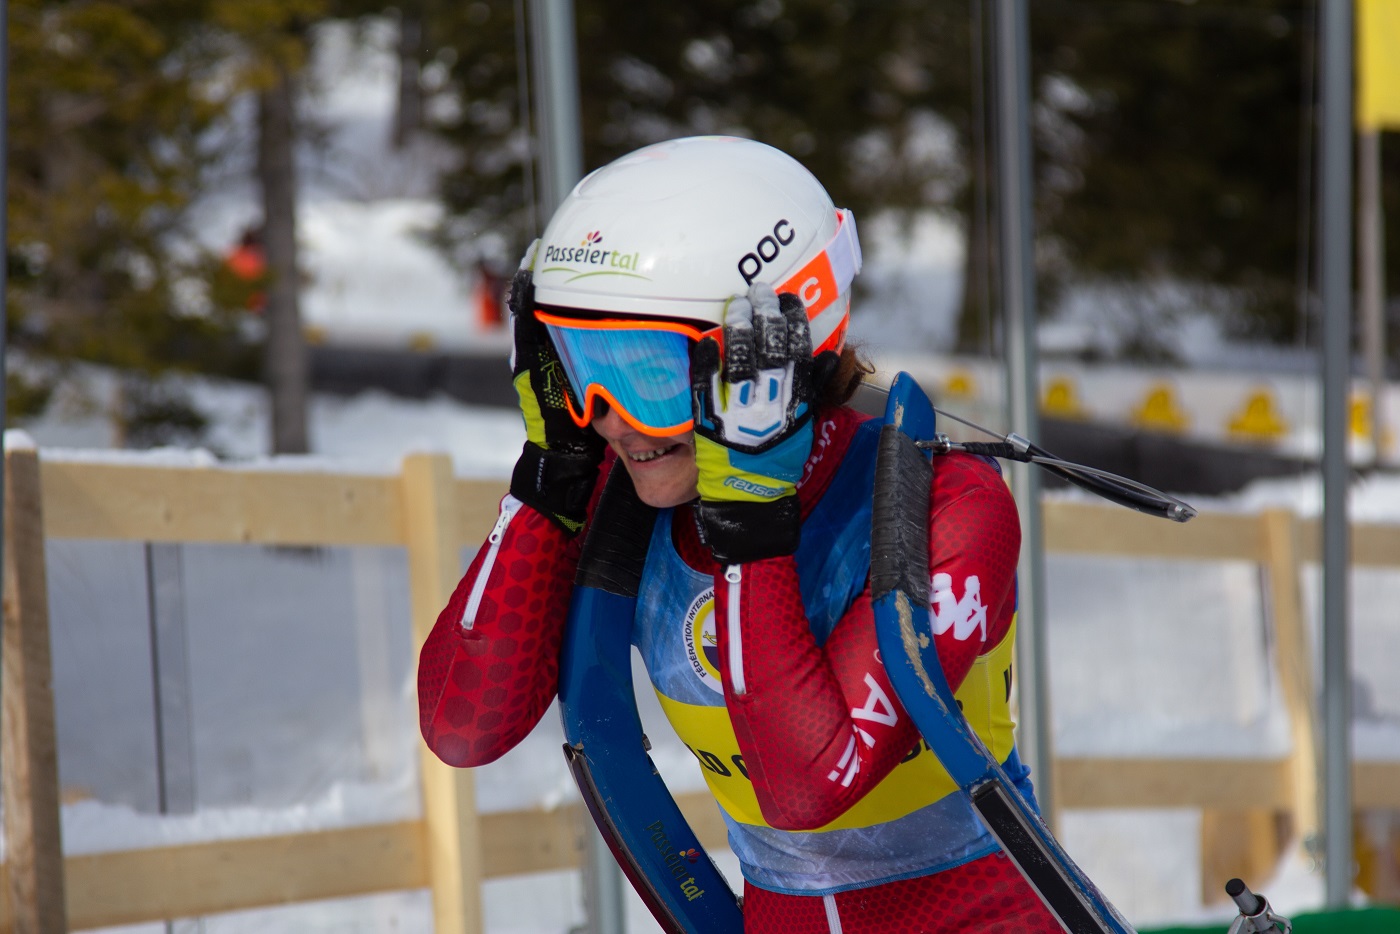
(558, 468)
(753, 425)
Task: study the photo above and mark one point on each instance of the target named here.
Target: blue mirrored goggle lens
(645, 372)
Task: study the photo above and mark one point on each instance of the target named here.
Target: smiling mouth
(642, 457)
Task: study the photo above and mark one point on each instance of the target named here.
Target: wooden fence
(431, 514)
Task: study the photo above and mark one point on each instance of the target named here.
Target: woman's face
(662, 469)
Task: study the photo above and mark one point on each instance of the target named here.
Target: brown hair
(850, 370)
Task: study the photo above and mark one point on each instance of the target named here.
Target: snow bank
(370, 432)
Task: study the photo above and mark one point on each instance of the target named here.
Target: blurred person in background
(488, 296)
(248, 263)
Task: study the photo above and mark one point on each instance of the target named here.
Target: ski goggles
(641, 369)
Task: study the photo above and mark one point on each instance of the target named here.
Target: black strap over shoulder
(615, 548)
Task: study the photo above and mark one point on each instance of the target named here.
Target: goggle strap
(844, 251)
(621, 324)
(829, 274)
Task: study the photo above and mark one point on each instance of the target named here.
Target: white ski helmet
(674, 230)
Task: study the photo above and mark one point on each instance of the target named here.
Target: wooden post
(449, 795)
(1293, 655)
(1244, 844)
(1248, 843)
(34, 846)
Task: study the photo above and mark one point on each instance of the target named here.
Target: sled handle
(1248, 902)
(1255, 916)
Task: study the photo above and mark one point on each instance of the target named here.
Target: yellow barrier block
(960, 385)
(1160, 411)
(1376, 848)
(421, 341)
(1361, 421)
(1260, 419)
(1360, 416)
(314, 334)
(1061, 399)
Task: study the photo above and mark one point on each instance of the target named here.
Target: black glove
(558, 468)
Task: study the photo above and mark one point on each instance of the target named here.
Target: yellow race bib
(918, 781)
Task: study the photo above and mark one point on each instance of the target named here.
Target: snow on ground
(368, 432)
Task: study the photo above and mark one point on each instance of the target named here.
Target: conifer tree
(112, 104)
(1175, 143)
(866, 95)
(270, 44)
(1172, 140)
(109, 106)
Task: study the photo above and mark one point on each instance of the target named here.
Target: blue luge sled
(899, 580)
(606, 749)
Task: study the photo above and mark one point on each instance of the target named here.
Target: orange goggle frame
(639, 368)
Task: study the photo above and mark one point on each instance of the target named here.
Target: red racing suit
(816, 721)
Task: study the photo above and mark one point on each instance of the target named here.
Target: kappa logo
(963, 616)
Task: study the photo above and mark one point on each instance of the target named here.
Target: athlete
(683, 319)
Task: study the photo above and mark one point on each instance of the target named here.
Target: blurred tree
(873, 98)
(1174, 147)
(108, 106)
(408, 102)
(1173, 139)
(273, 42)
(268, 45)
(414, 20)
(112, 107)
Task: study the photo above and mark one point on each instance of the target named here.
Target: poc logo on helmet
(767, 250)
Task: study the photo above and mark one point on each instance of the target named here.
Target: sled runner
(606, 750)
(899, 583)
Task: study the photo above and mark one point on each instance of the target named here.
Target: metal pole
(1017, 272)
(527, 121)
(555, 60)
(170, 678)
(4, 253)
(1334, 285)
(555, 63)
(4, 238)
(1370, 249)
(170, 691)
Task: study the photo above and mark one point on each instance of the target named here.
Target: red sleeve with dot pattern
(819, 726)
(490, 667)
